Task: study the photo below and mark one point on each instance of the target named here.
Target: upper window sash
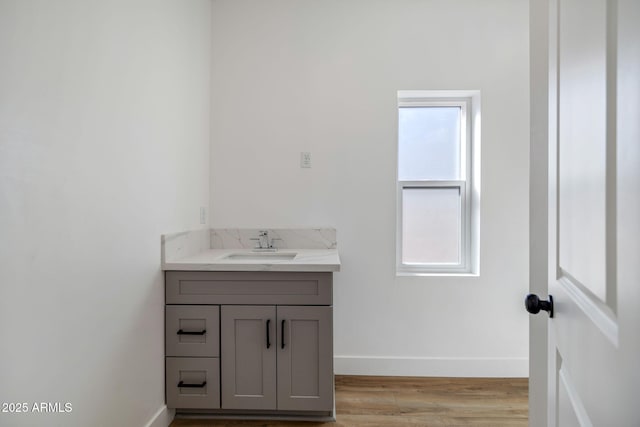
(465, 136)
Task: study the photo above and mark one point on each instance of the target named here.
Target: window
(438, 198)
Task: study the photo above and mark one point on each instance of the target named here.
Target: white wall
(104, 145)
(322, 76)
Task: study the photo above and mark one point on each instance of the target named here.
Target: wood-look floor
(410, 401)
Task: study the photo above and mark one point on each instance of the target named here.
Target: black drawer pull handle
(181, 332)
(182, 384)
(282, 327)
(268, 335)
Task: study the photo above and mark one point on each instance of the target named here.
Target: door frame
(538, 205)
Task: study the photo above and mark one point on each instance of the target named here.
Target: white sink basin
(261, 256)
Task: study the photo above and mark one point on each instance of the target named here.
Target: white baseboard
(508, 367)
(162, 418)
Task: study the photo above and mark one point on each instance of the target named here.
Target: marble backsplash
(284, 238)
(176, 246)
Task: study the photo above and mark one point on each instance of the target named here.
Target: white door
(594, 213)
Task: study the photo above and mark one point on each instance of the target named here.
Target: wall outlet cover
(305, 159)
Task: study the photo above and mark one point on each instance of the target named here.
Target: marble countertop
(209, 250)
(216, 260)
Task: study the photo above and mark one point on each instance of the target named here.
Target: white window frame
(468, 251)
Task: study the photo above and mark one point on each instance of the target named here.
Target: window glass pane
(431, 225)
(429, 143)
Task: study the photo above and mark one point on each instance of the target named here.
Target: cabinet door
(305, 358)
(248, 357)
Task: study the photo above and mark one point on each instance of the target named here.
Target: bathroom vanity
(249, 333)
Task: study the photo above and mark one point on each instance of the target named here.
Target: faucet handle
(272, 240)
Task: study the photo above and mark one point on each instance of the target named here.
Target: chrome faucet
(263, 239)
(264, 244)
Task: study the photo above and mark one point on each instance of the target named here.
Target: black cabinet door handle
(268, 335)
(282, 333)
(533, 304)
(182, 384)
(202, 332)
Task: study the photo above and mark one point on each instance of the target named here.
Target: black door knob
(533, 304)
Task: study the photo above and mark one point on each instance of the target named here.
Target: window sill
(435, 274)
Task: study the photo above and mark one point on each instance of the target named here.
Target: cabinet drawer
(192, 330)
(260, 287)
(193, 382)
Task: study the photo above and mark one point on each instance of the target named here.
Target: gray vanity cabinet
(268, 345)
